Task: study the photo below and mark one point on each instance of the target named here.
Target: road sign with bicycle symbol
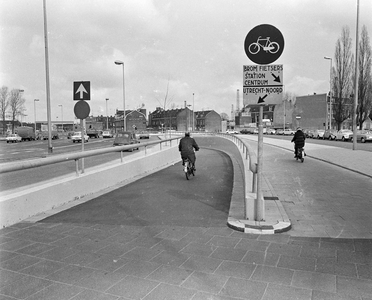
(264, 44)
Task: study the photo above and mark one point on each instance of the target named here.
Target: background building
(310, 112)
(134, 120)
(185, 119)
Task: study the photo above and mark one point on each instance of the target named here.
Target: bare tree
(4, 104)
(167, 98)
(342, 81)
(364, 78)
(224, 116)
(166, 102)
(16, 105)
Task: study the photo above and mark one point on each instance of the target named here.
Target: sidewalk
(276, 219)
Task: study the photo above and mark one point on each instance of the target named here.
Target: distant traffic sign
(262, 84)
(81, 90)
(81, 110)
(264, 44)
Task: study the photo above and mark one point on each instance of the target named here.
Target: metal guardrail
(248, 155)
(76, 156)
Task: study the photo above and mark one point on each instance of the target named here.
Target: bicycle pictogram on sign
(264, 44)
(269, 46)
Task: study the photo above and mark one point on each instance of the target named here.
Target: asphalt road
(38, 149)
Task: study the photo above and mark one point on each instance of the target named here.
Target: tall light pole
(330, 92)
(61, 113)
(35, 114)
(356, 82)
(119, 62)
(50, 147)
(106, 114)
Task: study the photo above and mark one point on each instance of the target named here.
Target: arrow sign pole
(260, 205)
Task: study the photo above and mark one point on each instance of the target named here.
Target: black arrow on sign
(277, 78)
(261, 100)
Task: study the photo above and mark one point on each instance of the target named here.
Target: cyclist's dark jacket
(187, 146)
(299, 139)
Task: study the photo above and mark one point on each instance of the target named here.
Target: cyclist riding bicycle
(186, 147)
(299, 140)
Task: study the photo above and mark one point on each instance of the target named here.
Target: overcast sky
(195, 45)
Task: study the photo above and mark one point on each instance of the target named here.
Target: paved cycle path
(164, 198)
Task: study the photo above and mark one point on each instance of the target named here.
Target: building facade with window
(134, 120)
(185, 119)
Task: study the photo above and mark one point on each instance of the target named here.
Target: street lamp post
(106, 114)
(119, 62)
(330, 92)
(35, 114)
(61, 114)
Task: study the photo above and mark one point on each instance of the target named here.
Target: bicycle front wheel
(273, 47)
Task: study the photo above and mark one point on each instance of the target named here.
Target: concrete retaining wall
(21, 204)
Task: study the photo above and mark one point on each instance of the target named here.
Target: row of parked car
(329, 134)
(340, 135)
(254, 130)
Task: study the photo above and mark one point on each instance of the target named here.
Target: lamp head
(119, 62)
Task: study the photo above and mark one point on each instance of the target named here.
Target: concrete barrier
(20, 204)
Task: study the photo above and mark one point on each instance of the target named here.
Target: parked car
(244, 131)
(255, 131)
(343, 134)
(362, 135)
(77, 137)
(13, 138)
(231, 131)
(144, 135)
(270, 131)
(318, 134)
(288, 132)
(330, 134)
(309, 133)
(123, 138)
(280, 131)
(107, 134)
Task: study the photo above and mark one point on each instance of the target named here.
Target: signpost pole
(260, 205)
(265, 82)
(82, 142)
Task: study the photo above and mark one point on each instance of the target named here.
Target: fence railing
(249, 157)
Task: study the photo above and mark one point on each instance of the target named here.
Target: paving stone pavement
(163, 237)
